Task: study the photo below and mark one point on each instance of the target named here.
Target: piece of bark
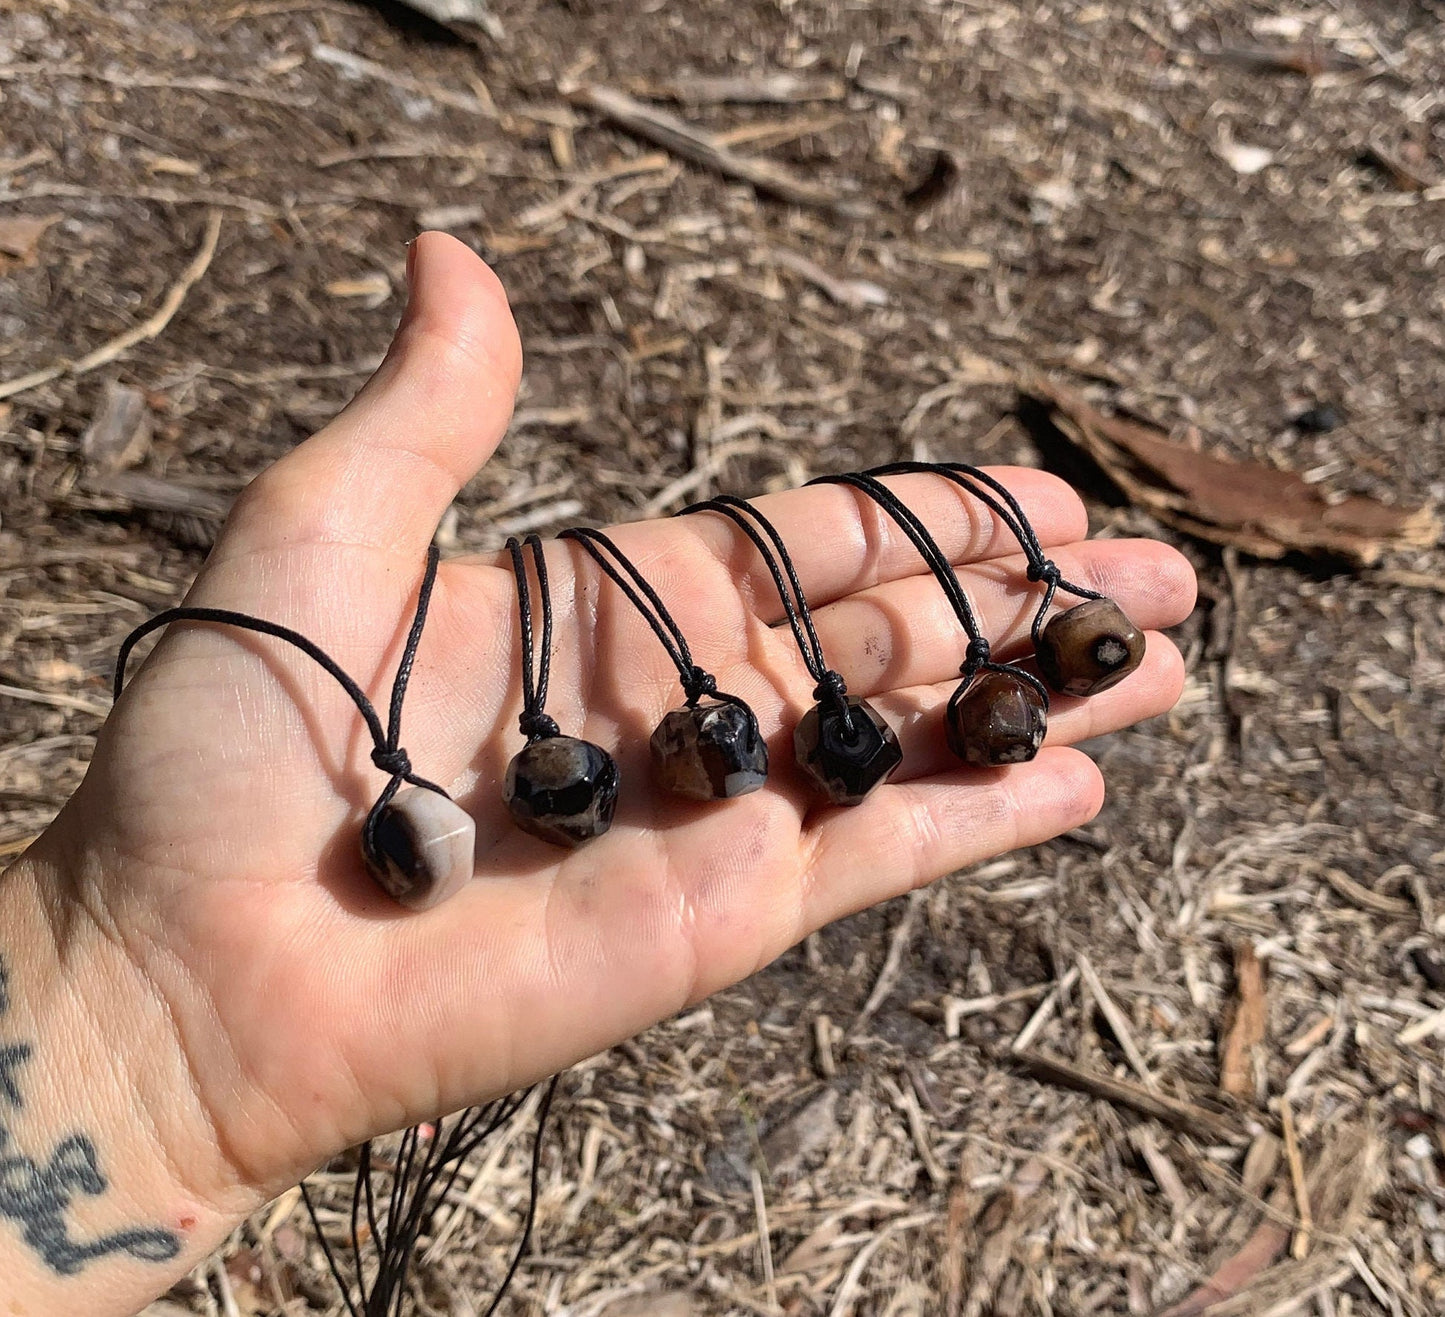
(1256, 508)
(1259, 1252)
(1247, 1026)
(119, 433)
(702, 148)
(1171, 1111)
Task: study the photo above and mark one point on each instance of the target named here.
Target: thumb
(383, 472)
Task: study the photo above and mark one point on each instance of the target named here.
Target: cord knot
(392, 760)
(1045, 569)
(538, 726)
(975, 656)
(698, 684)
(831, 686)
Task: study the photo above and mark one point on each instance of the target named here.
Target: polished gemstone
(562, 790)
(846, 761)
(998, 718)
(422, 848)
(1088, 648)
(713, 751)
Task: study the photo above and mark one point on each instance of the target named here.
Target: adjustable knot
(392, 760)
(538, 726)
(1045, 569)
(831, 686)
(698, 683)
(975, 656)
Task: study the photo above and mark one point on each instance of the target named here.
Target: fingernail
(411, 265)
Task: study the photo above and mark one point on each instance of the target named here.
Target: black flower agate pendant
(998, 718)
(846, 749)
(562, 789)
(1089, 648)
(713, 750)
(420, 848)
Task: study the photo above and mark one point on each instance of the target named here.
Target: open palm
(217, 829)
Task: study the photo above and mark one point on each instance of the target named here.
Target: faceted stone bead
(711, 752)
(562, 790)
(1088, 648)
(998, 719)
(424, 848)
(846, 767)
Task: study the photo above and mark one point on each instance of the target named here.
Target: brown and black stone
(845, 763)
(562, 789)
(998, 718)
(712, 751)
(1088, 648)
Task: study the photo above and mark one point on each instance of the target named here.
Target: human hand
(204, 887)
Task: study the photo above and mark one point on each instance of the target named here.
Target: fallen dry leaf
(1256, 508)
(20, 236)
(1247, 1028)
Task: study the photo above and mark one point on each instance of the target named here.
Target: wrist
(112, 1183)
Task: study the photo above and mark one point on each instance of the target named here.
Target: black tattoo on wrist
(37, 1194)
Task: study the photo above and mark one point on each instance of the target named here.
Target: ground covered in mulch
(1217, 217)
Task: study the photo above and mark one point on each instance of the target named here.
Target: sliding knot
(392, 760)
(698, 683)
(1045, 570)
(831, 686)
(975, 656)
(538, 726)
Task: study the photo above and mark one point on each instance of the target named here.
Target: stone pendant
(846, 767)
(713, 751)
(998, 718)
(562, 789)
(424, 848)
(1088, 648)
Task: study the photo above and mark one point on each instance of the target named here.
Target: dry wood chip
(1247, 1027)
(1255, 508)
(120, 432)
(20, 236)
(776, 88)
(654, 1305)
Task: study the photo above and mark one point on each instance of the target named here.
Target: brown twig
(150, 328)
(702, 148)
(1295, 1162)
(1174, 1112)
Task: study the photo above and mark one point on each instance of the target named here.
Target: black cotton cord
(697, 682)
(978, 656)
(769, 543)
(386, 752)
(535, 722)
(1041, 568)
